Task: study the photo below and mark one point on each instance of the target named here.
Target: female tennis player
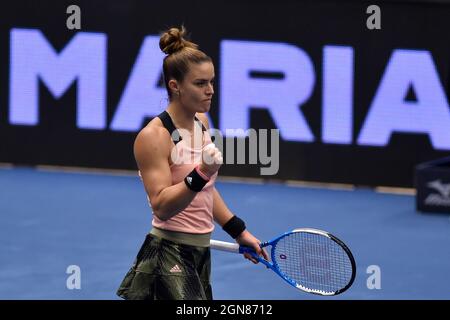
(178, 164)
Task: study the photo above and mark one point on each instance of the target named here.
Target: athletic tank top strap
(203, 127)
(168, 124)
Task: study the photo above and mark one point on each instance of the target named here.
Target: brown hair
(180, 53)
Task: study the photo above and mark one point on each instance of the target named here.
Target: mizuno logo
(175, 268)
(441, 199)
(443, 189)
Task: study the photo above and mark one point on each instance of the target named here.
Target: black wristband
(234, 227)
(194, 181)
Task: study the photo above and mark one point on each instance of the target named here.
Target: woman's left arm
(222, 215)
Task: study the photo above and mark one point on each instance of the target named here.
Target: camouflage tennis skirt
(165, 270)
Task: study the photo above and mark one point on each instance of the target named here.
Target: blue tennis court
(50, 220)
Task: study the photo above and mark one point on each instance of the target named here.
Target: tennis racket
(308, 259)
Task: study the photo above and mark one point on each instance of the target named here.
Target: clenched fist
(211, 160)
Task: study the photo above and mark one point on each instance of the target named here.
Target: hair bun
(173, 40)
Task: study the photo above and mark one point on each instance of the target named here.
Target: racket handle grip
(224, 246)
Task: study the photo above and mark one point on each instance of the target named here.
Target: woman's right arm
(152, 149)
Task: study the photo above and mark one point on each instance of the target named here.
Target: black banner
(358, 91)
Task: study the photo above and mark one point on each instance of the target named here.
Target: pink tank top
(197, 217)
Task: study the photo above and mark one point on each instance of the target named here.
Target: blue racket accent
(308, 259)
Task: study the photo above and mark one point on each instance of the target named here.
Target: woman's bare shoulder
(153, 134)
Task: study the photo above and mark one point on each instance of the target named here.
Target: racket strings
(314, 261)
